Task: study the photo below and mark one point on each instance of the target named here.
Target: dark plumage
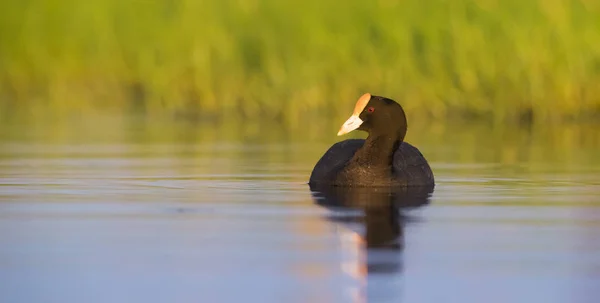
(383, 159)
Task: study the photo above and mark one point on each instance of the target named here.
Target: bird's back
(409, 166)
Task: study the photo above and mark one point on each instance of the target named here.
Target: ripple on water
(196, 221)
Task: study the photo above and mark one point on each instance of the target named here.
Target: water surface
(131, 210)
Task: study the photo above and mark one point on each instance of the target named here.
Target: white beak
(351, 124)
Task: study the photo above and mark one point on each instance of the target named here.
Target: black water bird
(383, 159)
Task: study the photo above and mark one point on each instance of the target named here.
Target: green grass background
(288, 61)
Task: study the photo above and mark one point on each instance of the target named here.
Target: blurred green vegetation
(500, 60)
(512, 150)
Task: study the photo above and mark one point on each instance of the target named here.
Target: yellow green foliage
(282, 60)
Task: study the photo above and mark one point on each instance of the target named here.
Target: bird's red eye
(370, 109)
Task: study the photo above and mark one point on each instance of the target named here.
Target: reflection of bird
(382, 159)
(381, 212)
(383, 235)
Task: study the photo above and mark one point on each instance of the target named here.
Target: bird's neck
(378, 150)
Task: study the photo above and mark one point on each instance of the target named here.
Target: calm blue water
(107, 219)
